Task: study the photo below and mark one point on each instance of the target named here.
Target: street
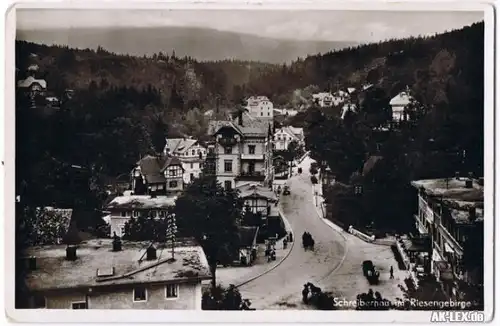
(335, 264)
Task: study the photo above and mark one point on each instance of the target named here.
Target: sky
(359, 26)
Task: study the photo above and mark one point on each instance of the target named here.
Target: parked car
(286, 191)
(369, 271)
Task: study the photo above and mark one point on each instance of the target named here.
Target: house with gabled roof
(32, 86)
(158, 175)
(191, 153)
(285, 135)
(399, 104)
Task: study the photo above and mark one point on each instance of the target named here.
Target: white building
(122, 208)
(399, 104)
(285, 135)
(323, 99)
(260, 107)
(191, 154)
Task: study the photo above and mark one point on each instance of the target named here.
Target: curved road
(277, 287)
(334, 265)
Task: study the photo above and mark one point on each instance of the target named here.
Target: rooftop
(141, 202)
(30, 80)
(402, 99)
(256, 191)
(252, 126)
(55, 272)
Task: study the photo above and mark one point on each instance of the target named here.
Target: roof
(370, 163)
(322, 95)
(30, 80)
(151, 167)
(55, 272)
(256, 191)
(171, 160)
(351, 90)
(402, 99)
(179, 145)
(33, 67)
(52, 99)
(247, 235)
(455, 196)
(252, 126)
(141, 202)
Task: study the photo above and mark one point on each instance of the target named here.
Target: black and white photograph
(251, 158)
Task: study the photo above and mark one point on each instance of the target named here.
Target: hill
(201, 44)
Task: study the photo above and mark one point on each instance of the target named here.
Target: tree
(147, 228)
(220, 298)
(210, 214)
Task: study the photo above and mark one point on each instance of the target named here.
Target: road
(334, 265)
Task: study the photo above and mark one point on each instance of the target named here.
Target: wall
(189, 298)
(259, 166)
(257, 205)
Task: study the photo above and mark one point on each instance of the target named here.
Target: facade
(260, 107)
(399, 105)
(323, 99)
(115, 274)
(449, 211)
(122, 208)
(285, 135)
(191, 153)
(158, 176)
(259, 199)
(242, 150)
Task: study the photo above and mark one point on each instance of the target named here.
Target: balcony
(252, 157)
(226, 141)
(251, 176)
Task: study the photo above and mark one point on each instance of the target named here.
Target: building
(259, 199)
(116, 274)
(285, 135)
(190, 152)
(260, 107)
(450, 211)
(159, 175)
(32, 87)
(340, 97)
(399, 105)
(348, 107)
(122, 208)
(285, 112)
(247, 246)
(242, 150)
(323, 99)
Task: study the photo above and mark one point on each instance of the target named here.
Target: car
(369, 271)
(286, 191)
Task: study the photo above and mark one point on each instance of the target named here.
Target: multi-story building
(450, 211)
(116, 274)
(260, 107)
(285, 135)
(159, 175)
(122, 208)
(242, 150)
(190, 152)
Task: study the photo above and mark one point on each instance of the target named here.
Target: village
(283, 190)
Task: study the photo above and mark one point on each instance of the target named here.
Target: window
(228, 150)
(227, 185)
(39, 302)
(79, 305)
(191, 177)
(161, 213)
(251, 149)
(228, 166)
(172, 291)
(152, 213)
(124, 214)
(193, 152)
(191, 165)
(135, 213)
(261, 114)
(172, 184)
(173, 172)
(198, 151)
(140, 294)
(122, 230)
(268, 113)
(160, 186)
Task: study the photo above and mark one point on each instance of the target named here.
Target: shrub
(314, 180)
(220, 298)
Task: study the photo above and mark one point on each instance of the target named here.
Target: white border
(129, 316)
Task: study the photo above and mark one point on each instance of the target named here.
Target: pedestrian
(305, 293)
(290, 236)
(391, 271)
(285, 242)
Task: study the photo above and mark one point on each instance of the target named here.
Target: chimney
(457, 175)
(71, 253)
(151, 253)
(117, 242)
(472, 214)
(240, 118)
